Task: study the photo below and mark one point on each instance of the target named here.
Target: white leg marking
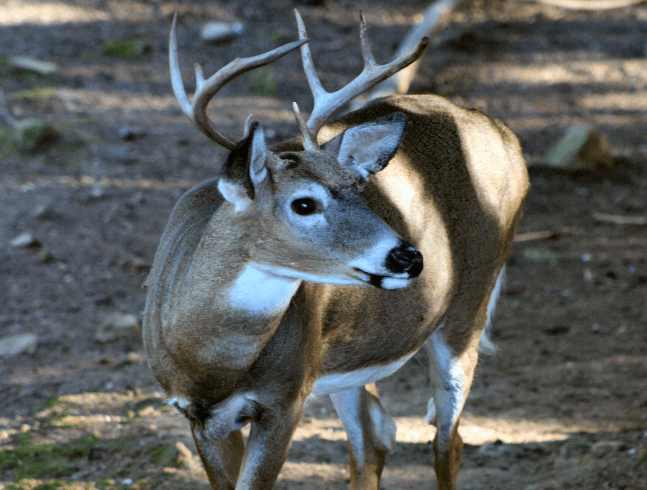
(260, 292)
(348, 405)
(486, 346)
(384, 427)
(431, 411)
(447, 379)
(337, 382)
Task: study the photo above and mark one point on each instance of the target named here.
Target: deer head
(300, 210)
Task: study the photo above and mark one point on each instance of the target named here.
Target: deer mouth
(387, 281)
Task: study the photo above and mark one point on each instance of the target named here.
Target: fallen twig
(538, 235)
(620, 220)
(591, 4)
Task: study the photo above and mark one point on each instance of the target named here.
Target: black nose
(405, 259)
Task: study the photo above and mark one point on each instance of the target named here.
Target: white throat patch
(262, 293)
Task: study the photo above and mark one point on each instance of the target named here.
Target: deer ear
(368, 147)
(245, 169)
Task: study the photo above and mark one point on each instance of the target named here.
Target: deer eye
(304, 206)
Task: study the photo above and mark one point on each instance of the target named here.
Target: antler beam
(327, 103)
(196, 111)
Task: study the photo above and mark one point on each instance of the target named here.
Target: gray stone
(14, 345)
(25, 240)
(219, 31)
(116, 326)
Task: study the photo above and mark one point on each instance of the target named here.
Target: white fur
(235, 194)
(486, 346)
(348, 405)
(260, 292)
(334, 383)
(447, 379)
(392, 283)
(178, 402)
(383, 425)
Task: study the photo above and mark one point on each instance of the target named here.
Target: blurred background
(94, 152)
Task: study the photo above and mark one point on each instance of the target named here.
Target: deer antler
(326, 103)
(196, 111)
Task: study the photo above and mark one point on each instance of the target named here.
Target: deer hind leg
(451, 378)
(371, 434)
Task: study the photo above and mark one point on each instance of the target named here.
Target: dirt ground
(562, 405)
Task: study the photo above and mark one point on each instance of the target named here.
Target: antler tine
(206, 89)
(327, 103)
(176, 76)
(367, 54)
(309, 143)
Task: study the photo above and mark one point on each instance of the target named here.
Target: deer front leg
(451, 378)
(221, 459)
(371, 434)
(267, 447)
(229, 463)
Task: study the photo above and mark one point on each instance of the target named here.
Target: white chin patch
(392, 283)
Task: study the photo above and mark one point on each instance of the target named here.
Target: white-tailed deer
(299, 271)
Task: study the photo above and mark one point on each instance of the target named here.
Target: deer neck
(258, 291)
(245, 288)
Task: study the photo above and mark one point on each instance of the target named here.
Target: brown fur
(455, 190)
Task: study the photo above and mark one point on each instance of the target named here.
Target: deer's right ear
(245, 169)
(367, 148)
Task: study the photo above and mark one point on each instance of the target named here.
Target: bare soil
(563, 404)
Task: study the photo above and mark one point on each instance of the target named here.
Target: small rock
(31, 64)
(218, 31)
(15, 345)
(25, 240)
(97, 192)
(43, 211)
(46, 256)
(128, 360)
(605, 448)
(595, 328)
(118, 325)
(130, 133)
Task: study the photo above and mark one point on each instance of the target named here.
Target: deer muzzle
(405, 259)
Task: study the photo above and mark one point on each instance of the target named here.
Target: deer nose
(405, 259)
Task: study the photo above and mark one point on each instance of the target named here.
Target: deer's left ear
(245, 169)
(368, 147)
